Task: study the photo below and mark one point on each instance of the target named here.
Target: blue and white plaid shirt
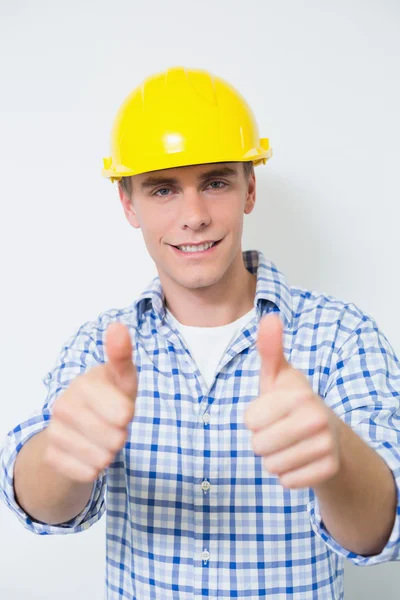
(191, 513)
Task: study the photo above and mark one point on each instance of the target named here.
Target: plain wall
(323, 81)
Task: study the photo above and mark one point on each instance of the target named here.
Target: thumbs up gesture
(90, 419)
(293, 430)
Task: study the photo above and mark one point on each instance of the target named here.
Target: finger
(270, 408)
(69, 466)
(100, 397)
(77, 445)
(299, 425)
(96, 429)
(270, 348)
(119, 353)
(312, 474)
(299, 455)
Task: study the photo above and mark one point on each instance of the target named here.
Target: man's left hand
(293, 430)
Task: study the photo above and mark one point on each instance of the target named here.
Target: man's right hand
(90, 419)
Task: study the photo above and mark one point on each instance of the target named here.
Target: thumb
(119, 352)
(270, 348)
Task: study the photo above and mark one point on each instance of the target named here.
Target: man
(246, 431)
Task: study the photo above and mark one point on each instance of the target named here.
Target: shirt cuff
(391, 551)
(91, 513)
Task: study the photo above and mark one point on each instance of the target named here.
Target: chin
(195, 283)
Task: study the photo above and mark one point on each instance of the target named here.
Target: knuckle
(60, 408)
(118, 440)
(326, 443)
(317, 418)
(103, 460)
(256, 443)
(301, 397)
(323, 416)
(49, 457)
(53, 431)
(272, 466)
(125, 413)
(247, 417)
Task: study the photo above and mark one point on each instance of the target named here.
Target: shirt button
(205, 485)
(206, 418)
(205, 555)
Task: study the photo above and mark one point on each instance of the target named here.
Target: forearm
(358, 505)
(41, 492)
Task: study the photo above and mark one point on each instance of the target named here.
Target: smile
(200, 249)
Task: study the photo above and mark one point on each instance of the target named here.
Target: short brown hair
(126, 183)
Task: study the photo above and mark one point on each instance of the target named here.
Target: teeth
(196, 248)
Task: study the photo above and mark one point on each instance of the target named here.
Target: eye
(157, 193)
(223, 184)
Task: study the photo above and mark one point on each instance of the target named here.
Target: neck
(222, 303)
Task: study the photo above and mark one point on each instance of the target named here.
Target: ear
(251, 194)
(127, 205)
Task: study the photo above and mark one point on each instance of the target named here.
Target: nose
(194, 212)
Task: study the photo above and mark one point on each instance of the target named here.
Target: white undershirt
(207, 345)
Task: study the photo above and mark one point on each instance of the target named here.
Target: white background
(323, 81)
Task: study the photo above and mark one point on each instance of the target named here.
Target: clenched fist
(90, 419)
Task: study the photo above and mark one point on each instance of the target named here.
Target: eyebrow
(156, 180)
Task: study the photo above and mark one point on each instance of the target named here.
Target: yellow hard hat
(183, 117)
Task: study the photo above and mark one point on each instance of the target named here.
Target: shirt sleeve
(363, 390)
(78, 354)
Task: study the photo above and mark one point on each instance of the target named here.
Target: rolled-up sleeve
(364, 390)
(77, 355)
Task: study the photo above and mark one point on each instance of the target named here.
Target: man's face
(188, 206)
